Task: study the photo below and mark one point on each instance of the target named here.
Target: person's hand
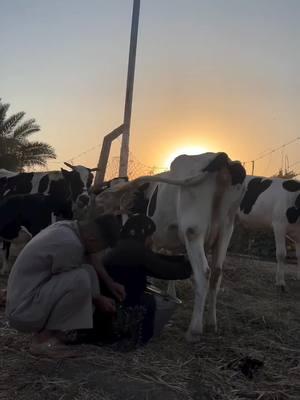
(117, 290)
(105, 304)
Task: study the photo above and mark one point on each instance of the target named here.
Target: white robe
(50, 285)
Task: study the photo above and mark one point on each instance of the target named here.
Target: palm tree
(16, 151)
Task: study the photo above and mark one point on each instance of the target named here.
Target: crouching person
(53, 286)
(141, 315)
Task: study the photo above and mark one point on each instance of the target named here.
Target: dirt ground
(255, 321)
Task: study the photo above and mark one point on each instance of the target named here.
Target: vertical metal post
(124, 155)
(253, 164)
(104, 155)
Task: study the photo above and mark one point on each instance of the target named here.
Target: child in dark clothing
(129, 263)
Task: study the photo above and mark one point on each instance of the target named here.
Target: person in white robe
(54, 284)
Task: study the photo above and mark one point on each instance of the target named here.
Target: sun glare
(191, 150)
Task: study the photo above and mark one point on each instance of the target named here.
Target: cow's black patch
(291, 185)
(59, 190)
(43, 184)
(254, 189)
(23, 183)
(297, 201)
(220, 161)
(18, 184)
(152, 203)
(292, 214)
(237, 172)
(75, 183)
(32, 211)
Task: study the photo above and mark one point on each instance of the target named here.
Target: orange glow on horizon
(189, 150)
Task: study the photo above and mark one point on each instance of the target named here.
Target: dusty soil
(255, 321)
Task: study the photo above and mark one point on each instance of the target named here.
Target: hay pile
(256, 324)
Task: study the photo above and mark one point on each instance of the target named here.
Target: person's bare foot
(47, 344)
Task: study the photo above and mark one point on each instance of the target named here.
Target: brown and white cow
(194, 207)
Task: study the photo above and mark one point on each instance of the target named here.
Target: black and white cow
(64, 193)
(74, 184)
(23, 216)
(274, 203)
(193, 206)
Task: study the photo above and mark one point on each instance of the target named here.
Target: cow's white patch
(84, 176)
(269, 212)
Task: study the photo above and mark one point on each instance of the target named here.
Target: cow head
(116, 197)
(80, 180)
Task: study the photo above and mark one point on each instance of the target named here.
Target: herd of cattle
(194, 206)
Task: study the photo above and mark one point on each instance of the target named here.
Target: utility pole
(252, 169)
(124, 154)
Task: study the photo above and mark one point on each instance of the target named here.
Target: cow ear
(69, 165)
(220, 161)
(93, 169)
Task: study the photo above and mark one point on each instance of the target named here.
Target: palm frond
(35, 153)
(8, 145)
(10, 123)
(25, 129)
(3, 110)
(16, 151)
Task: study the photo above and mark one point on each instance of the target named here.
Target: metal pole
(124, 155)
(105, 150)
(253, 164)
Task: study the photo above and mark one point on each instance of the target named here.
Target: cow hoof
(193, 337)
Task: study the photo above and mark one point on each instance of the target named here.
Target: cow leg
(279, 234)
(171, 290)
(218, 256)
(53, 218)
(298, 259)
(201, 270)
(5, 258)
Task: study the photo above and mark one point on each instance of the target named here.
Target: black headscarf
(138, 227)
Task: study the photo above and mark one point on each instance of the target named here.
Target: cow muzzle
(83, 200)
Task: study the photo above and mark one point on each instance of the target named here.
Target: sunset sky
(218, 75)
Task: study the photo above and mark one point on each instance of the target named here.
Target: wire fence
(137, 168)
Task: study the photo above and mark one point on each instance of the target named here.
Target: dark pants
(129, 264)
(134, 318)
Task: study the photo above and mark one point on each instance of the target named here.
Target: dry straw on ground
(255, 321)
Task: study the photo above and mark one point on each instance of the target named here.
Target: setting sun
(189, 150)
